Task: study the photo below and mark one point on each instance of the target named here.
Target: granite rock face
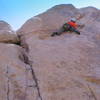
(65, 67)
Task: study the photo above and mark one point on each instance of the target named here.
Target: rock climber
(69, 26)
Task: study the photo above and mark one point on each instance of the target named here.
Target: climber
(69, 26)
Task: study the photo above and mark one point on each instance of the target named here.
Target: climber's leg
(74, 30)
(60, 31)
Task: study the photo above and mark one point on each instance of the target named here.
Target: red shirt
(73, 24)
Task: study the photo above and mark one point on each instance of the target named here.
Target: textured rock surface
(16, 77)
(6, 33)
(65, 67)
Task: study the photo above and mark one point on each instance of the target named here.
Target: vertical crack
(36, 81)
(8, 88)
(92, 92)
(26, 60)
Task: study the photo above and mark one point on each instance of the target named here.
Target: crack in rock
(92, 92)
(24, 57)
(8, 88)
(36, 82)
(23, 43)
(27, 61)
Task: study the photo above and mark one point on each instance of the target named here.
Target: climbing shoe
(78, 33)
(54, 33)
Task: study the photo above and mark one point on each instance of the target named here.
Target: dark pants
(65, 28)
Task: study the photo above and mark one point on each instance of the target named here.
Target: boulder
(7, 34)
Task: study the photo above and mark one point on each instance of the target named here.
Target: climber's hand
(81, 26)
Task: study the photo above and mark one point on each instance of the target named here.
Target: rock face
(7, 34)
(17, 82)
(65, 67)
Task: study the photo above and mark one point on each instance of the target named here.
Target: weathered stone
(7, 34)
(67, 66)
(16, 77)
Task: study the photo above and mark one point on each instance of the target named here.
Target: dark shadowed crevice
(36, 81)
(23, 43)
(8, 88)
(92, 92)
(26, 60)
